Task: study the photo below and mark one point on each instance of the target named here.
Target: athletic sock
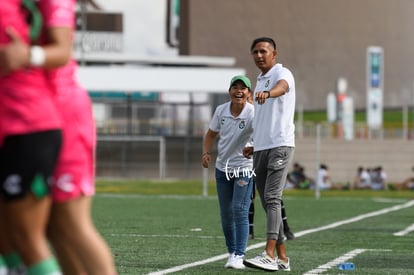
(251, 219)
(284, 218)
(45, 267)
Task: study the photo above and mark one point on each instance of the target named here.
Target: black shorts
(27, 162)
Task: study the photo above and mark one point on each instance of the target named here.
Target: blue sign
(375, 69)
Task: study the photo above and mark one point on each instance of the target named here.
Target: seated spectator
(323, 178)
(378, 178)
(408, 183)
(297, 178)
(362, 179)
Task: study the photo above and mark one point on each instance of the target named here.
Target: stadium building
(138, 59)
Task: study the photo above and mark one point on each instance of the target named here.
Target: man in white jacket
(274, 144)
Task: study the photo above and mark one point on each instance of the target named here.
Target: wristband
(37, 56)
(268, 93)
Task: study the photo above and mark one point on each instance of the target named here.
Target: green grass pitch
(160, 227)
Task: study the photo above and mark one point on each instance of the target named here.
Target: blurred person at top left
(79, 247)
(30, 136)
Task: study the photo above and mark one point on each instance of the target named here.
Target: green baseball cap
(242, 78)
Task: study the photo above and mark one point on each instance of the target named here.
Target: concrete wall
(319, 40)
(343, 157)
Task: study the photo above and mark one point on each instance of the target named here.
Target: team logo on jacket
(222, 121)
(267, 83)
(242, 124)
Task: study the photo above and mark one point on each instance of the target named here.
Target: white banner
(375, 86)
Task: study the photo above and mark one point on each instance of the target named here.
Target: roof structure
(129, 73)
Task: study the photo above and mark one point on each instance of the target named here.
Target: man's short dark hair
(263, 39)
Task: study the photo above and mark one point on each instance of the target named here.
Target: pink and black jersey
(27, 103)
(74, 173)
(60, 14)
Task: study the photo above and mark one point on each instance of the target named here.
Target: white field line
(357, 218)
(335, 262)
(405, 231)
(385, 200)
(132, 196)
(351, 254)
(166, 236)
(298, 234)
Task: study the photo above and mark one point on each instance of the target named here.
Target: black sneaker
(289, 235)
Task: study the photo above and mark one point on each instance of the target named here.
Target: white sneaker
(282, 265)
(237, 262)
(229, 260)
(263, 261)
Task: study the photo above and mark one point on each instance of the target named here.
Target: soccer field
(162, 234)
